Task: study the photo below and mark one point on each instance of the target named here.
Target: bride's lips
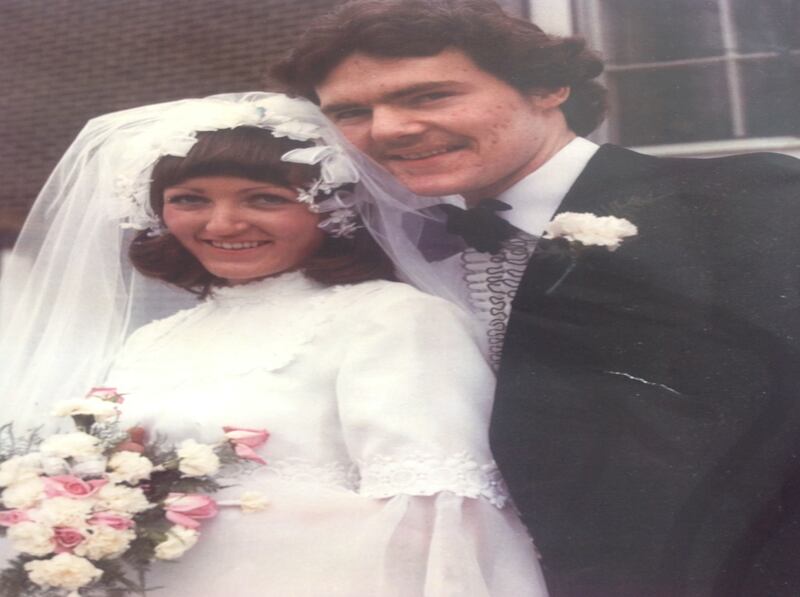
(242, 245)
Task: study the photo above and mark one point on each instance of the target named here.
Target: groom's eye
(349, 114)
(431, 96)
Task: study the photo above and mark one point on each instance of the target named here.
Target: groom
(647, 417)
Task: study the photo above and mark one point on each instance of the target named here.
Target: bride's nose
(225, 220)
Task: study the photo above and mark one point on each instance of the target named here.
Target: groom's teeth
(421, 155)
(241, 245)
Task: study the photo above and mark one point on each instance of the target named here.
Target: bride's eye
(186, 200)
(266, 200)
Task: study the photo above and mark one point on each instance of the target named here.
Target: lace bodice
(355, 384)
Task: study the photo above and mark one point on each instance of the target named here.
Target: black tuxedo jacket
(647, 418)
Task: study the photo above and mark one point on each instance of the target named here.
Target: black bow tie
(480, 227)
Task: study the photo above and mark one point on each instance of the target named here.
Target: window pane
(671, 105)
(772, 89)
(655, 30)
(767, 25)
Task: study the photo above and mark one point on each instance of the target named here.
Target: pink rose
(244, 440)
(8, 518)
(137, 437)
(71, 486)
(110, 394)
(115, 521)
(66, 539)
(186, 509)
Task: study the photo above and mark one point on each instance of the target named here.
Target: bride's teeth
(248, 245)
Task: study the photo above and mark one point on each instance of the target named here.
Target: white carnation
(253, 501)
(24, 494)
(33, 538)
(129, 467)
(55, 465)
(197, 460)
(119, 498)
(101, 410)
(79, 445)
(103, 541)
(94, 467)
(64, 512)
(179, 540)
(20, 468)
(64, 571)
(589, 229)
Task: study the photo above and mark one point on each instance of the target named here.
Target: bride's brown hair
(253, 153)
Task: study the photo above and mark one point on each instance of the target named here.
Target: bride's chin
(227, 281)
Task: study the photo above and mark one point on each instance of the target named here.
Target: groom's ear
(544, 99)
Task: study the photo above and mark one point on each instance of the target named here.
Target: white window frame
(560, 16)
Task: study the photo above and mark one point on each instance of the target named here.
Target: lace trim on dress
(329, 474)
(387, 476)
(421, 474)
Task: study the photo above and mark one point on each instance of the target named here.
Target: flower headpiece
(174, 132)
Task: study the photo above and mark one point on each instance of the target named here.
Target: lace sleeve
(415, 397)
(419, 474)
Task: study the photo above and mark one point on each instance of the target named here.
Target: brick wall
(64, 61)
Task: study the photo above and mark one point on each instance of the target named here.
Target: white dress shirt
(535, 198)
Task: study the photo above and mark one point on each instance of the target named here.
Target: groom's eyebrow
(396, 94)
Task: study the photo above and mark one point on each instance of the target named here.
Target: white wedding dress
(379, 477)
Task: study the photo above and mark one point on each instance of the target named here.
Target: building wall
(65, 61)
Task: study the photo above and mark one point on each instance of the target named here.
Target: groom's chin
(429, 185)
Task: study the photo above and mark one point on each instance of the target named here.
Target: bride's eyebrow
(182, 189)
(263, 188)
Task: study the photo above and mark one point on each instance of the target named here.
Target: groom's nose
(390, 123)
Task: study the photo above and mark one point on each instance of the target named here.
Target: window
(688, 71)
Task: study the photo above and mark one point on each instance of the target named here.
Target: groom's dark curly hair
(513, 50)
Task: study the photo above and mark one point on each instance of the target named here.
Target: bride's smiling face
(241, 229)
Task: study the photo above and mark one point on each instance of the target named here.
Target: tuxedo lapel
(612, 173)
(614, 182)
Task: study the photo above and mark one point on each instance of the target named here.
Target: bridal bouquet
(87, 510)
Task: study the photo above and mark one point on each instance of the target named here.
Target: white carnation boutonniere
(583, 230)
(590, 230)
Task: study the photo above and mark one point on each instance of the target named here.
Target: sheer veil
(69, 295)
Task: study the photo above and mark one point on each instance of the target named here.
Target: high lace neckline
(265, 290)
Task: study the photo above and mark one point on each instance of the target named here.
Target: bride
(376, 396)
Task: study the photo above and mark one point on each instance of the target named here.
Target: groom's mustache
(416, 151)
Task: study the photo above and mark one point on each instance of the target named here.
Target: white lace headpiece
(172, 131)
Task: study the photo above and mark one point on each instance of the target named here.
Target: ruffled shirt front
(379, 475)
